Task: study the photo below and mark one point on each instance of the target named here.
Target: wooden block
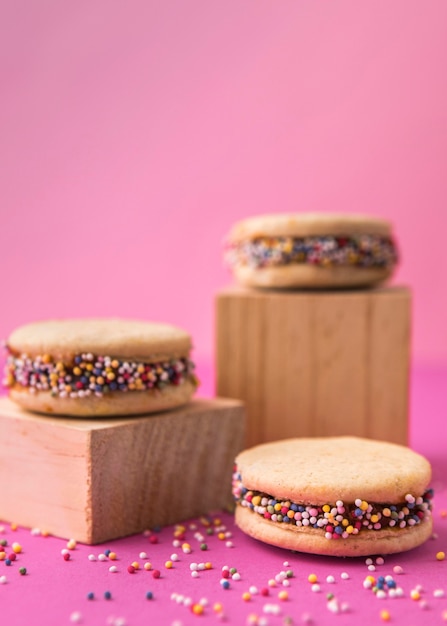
(95, 480)
(316, 363)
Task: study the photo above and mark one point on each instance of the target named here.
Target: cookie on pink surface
(340, 496)
(311, 250)
(99, 367)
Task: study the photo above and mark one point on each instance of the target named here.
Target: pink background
(134, 134)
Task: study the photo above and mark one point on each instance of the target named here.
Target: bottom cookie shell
(310, 276)
(113, 404)
(304, 539)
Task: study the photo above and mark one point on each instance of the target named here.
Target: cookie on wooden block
(99, 367)
(96, 480)
(311, 250)
(337, 496)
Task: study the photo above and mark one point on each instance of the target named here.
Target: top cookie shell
(125, 339)
(308, 225)
(323, 470)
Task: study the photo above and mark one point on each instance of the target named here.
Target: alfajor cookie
(340, 496)
(311, 250)
(99, 367)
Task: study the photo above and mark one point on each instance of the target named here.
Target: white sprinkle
(381, 594)
(102, 557)
(286, 564)
(176, 543)
(372, 568)
(195, 574)
(344, 575)
(174, 557)
(36, 531)
(187, 602)
(369, 561)
(397, 569)
(3, 580)
(201, 566)
(229, 544)
(423, 604)
(76, 617)
(113, 569)
(286, 582)
(333, 606)
(399, 592)
(65, 551)
(91, 557)
(345, 607)
(253, 590)
(316, 588)
(330, 579)
(143, 555)
(236, 576)
(438, 593)
(193, 567)
(367, 584)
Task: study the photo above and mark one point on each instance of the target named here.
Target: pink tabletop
(55, 591)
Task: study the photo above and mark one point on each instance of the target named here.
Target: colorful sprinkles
(92, 375)
(327, 251)
(246, 594)
(337, 520)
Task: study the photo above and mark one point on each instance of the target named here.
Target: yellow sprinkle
(46, 358)
(371, 579)
(112, 556)
(197, 609)
(312, 578)
(277, 506)
(440, 556)
(147, 566)
(2, 556)
(345, 522)
(89, 367)
(67, 388)
(17, 548)
(14, 526)
(208, 565)
(169, 564)
(272, 582)
(221, 536)
(114, 363)
(111, 376)
(364, 505)
(290, 514)
(283, 595)
(415, 595)
(349, 529)
(59, 366)
(140, 369)
(385, 615)
(443, 513)
(386, 512)
(326, 508)
(186, 546)
(77, 371)
(136, 565)
(100, 380)
(217, 607)
(71, 544)
(132, 387)
(256, 500)
(246, 596)
(374, 518)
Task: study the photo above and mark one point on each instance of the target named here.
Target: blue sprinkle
(286, 519)
(97, 372)
(338, 530)
(8, 561)
(98, 388)
(107, 595)
(391, 584)
(107, 552)
(149, 595)
(84, 380)
(90, 595)
(225, 584)
(78, 359)
(294, 507)
(358, 512)
(113, 386)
